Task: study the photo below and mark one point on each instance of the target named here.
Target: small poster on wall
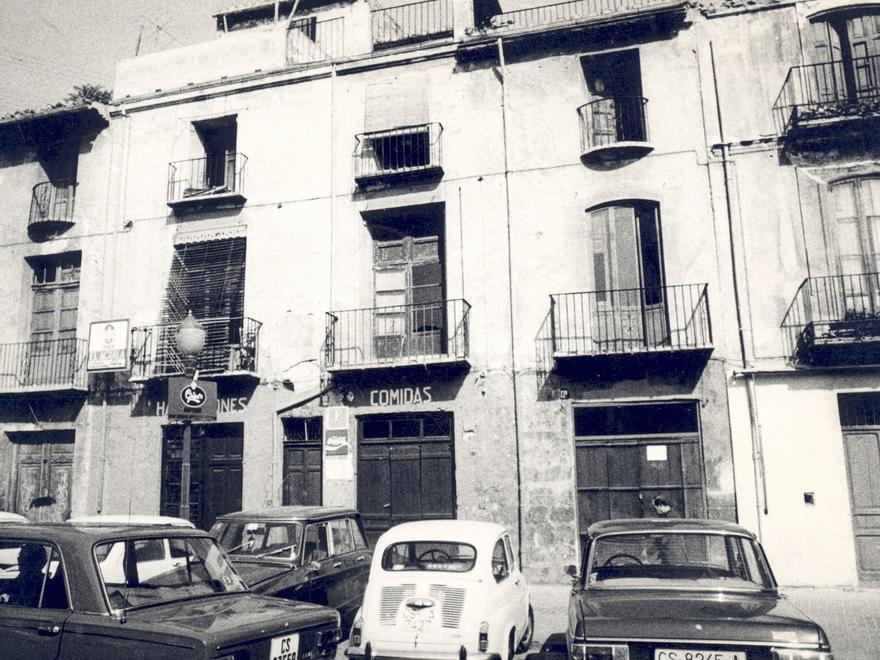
(108, 345)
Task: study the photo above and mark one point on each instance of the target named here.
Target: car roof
(125, 520)
(71, 532)
(289, 513)
(624, 525)
(473, 532)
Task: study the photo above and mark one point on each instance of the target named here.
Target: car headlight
(800, 654)
(582, 651)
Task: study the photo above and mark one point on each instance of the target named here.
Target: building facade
(469, 260)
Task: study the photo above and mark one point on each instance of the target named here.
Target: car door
(34, 603)
(317, 563)
(520, 588)
(503, 601)
(345, 583)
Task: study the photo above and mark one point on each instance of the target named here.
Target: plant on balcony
(855, 325)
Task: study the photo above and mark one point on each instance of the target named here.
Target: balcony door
(857, 224)
(846, 48)
(614, 82)
(51, 355)
(630, 305)
(409, 319)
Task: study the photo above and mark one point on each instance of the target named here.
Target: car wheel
(526, 640)
(511, 645)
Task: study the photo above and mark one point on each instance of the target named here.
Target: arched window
(846, 46)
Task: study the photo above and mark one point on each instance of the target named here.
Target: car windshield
(141, 572)
(669, 559)
(277, 540)
(429, 556)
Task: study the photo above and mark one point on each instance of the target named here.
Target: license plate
(284, 648)
(690, 654)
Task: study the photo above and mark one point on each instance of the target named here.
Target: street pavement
(850, 617)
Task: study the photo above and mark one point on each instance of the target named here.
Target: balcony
(389, 337)
(576, 11)
(411, 23)
(629, 322)
(51, 209)
(40, 366)
(231, 349)
(208, 182)
(815, 95)
(312, 40)
(614, 129)
(834, 320)
(405, 152)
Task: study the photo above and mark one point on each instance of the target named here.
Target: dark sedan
(682, 590)
(142, 592)
(313, 553)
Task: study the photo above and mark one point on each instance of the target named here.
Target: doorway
(44, 474)
(302, 461)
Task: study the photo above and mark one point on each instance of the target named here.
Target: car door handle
(516, 582)
(337, 564)
(361, 558)
(50, 630)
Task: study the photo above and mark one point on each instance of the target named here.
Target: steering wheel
(622, 555)
(433, 554)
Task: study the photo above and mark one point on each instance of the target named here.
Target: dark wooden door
(45, 472)
(302, 473)
(863, 467)
(405, 470)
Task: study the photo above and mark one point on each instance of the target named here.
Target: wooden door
(857, 229)
(406, 471)
(44, 475)
(863, 467)
(302, 473)
(864, 41)
(51, 355)
(221, 457)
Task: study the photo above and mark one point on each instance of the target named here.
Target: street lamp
(190, 340)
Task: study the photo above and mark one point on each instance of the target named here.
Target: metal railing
(400, 150)
(396, 335)
(52, 201)
(412, 22)
(832, 307)
(313, 40)
(631, 320)
(46, 364)
(204, 177)
(606, 122)
(827, 90)
(231, 345)
(561, 12)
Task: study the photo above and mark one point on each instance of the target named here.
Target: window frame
(62, 565)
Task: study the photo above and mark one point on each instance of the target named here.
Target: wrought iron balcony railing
(313, 40)
(231, 346)
(201, 179)
(412, 22)
(52, 364)
(622, 321)
(831, 315)
(52, 203)
(573, 10)
(397, 335)
(828, 90)
(613, 123)
(397, 152)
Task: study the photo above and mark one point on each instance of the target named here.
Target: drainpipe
(519, 517)
(751, 394)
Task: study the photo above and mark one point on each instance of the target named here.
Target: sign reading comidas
(188, 399)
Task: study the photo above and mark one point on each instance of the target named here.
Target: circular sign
(192, 396)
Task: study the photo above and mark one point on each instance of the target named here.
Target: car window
(260, 539)
(429, 556)
(500, 565)
(357, 535)
(511, 558)
(150, 549)
(31, 575)
(340, 532)
(315, 546)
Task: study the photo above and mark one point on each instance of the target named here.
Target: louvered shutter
(396, 102)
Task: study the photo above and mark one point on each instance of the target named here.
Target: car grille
(390, 602)
(452, 603)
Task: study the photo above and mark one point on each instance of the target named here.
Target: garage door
(405, 470)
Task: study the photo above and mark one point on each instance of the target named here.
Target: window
(616, 109)
(315, 546)
(257, 538)
(31, 575)
(429, 556)
(857, 225)
(55, 298)
(500, 566)
(846, 46)
(215, 167)
(341, 535)
(409, 286)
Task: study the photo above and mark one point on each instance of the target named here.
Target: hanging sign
(188, 399)
(108, 345)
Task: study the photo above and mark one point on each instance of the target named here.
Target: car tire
(529, 633)
(511, 645)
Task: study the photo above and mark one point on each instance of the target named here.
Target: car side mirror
(571, 571)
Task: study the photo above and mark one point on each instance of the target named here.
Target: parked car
(666, 589)
(443, 589)
(133, 519)
(9, 517)
(312, 553)
(92, 592)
